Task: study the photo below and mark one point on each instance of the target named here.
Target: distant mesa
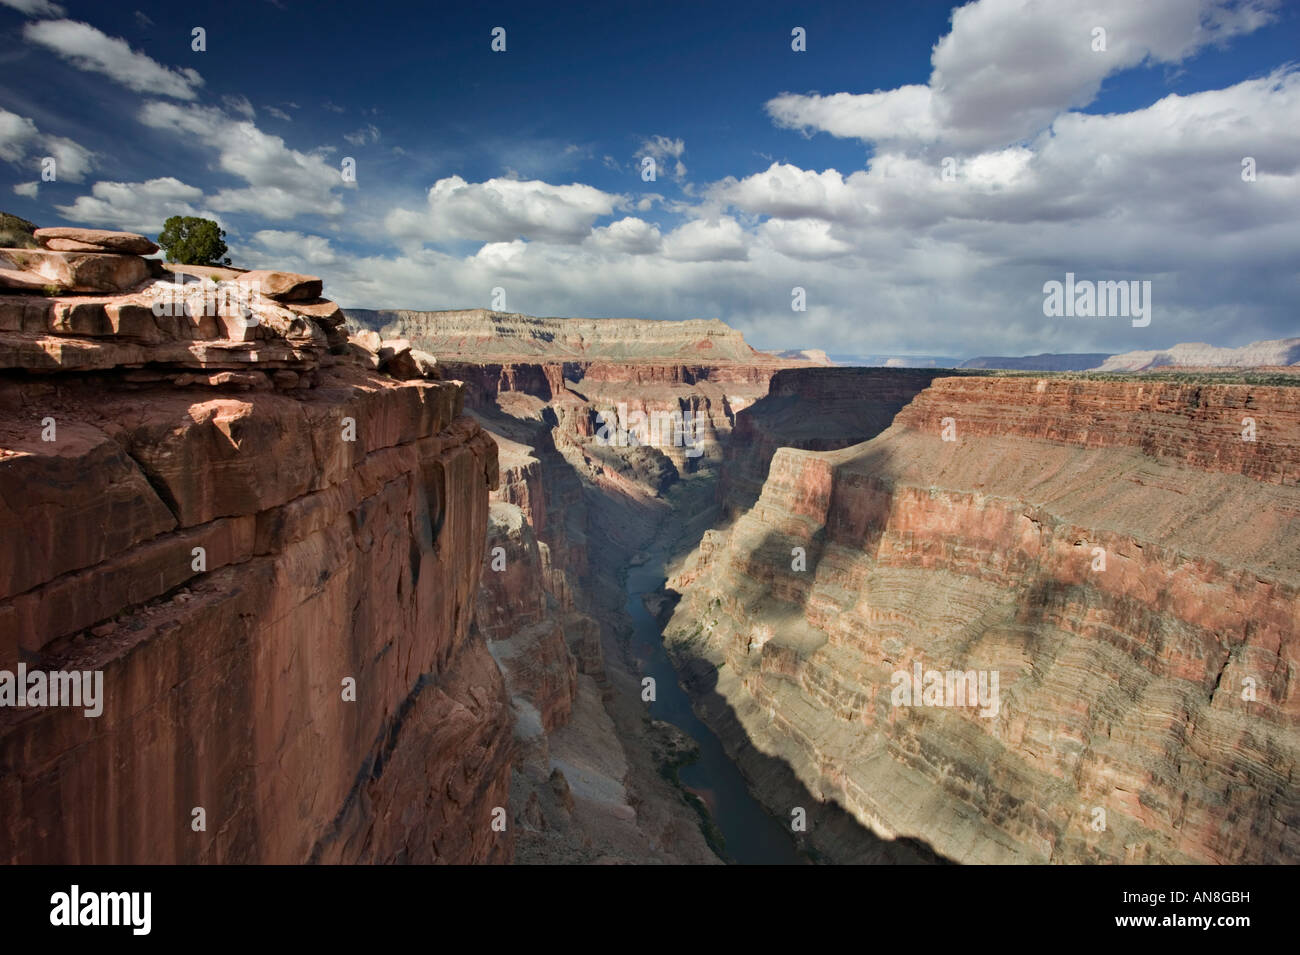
(814, 355)
(896, 361)
(1045, 362)
(483, 334)
(1274, 353)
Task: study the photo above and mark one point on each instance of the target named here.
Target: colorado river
(752, 835)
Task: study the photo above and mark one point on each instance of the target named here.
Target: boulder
(395, 358)
(286, 286)
(368, 340)
(426, 363)
(66, 239)
(324, 312)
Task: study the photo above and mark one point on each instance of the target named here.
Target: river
(753, 836)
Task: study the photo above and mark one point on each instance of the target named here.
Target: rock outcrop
(271, 552)
(1118, 562)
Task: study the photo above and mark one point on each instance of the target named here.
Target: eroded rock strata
(1114, 551)
(271, 550)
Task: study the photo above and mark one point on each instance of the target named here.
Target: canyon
(376, 586)
(1121, 553)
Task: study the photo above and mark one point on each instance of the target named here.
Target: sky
(918, 171)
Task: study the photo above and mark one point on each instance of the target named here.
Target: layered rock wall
(1115, 553)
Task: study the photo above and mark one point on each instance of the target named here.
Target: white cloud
(313, 250)
(810, 239)
(279, 114)
(88, 49)
(788, 192)
(368, 133)
(628, 235)
(136, 206)
(17, 134)
(35, 8)
(667, 153)
(282, 182)
(28, 189)
(1007, 69)
(895, 258)
(502, 210)
(21, 142)
(702, 240)
(239, 104)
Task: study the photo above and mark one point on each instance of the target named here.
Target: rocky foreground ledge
(265, 535)
(90, 301)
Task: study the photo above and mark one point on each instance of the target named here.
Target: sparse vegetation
(1182, 376)
(16, 233)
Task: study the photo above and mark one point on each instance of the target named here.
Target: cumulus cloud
(1007, 69)
(27, 189)
(312, 250)
(900, 257)
(502, 210)
(17, 133)
(810, 239)
(702, 240)
(628, 235)
(94, 51)
(21, 142)
(136, 206)
(784, 191)
(282, 182)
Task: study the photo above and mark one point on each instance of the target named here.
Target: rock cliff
(1117, 561)
(267, 544)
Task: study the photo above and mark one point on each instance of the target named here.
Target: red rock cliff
(340, 515)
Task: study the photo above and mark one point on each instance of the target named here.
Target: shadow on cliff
(815, 409)
(833, 835)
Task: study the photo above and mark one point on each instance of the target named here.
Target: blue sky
(820, 169)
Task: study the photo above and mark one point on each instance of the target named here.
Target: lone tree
(190, 240)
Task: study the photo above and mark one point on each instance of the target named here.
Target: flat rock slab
(68, 239)
(79, 271)
(286, 286)
(18, 281)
